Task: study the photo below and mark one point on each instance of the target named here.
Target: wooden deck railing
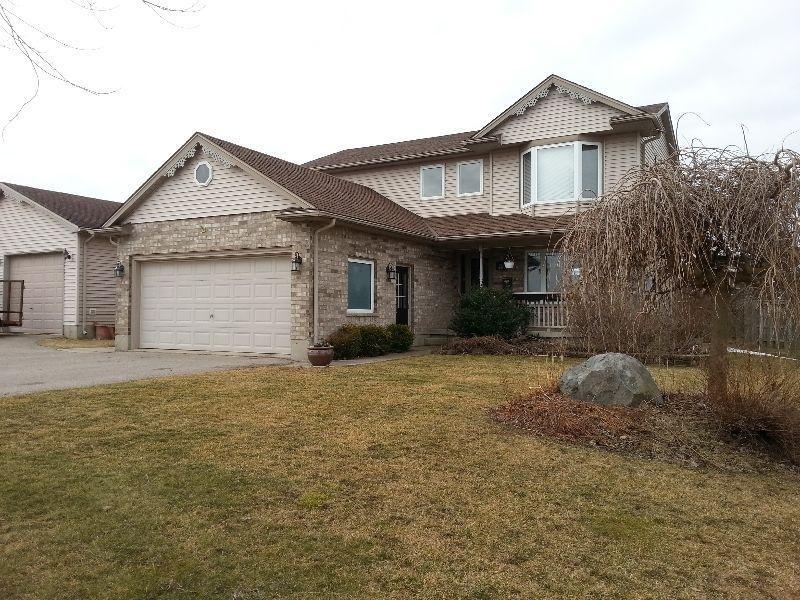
(547, 310)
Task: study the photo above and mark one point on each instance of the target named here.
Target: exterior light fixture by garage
(67, 255)
(297, 262)
(391, 272)
(119, 269)
(508, 261)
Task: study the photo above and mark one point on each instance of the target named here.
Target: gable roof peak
(542, 89)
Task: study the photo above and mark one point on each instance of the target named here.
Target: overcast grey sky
(303, 79)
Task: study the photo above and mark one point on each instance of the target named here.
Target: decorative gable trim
(574, 94)
(192, 150)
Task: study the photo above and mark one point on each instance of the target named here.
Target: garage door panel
(43, 297)
(249, 312)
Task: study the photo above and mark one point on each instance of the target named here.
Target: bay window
(560, 173)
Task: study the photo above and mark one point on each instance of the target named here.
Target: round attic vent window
(203, 173)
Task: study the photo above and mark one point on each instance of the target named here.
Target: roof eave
(316, 216)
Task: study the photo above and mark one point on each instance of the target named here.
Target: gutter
(83, 282)
(315, 271)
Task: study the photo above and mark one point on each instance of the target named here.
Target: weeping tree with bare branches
(684, 237)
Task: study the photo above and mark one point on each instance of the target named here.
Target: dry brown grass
(60, 343)
(376, 481)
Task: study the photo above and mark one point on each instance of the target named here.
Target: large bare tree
(705, 225)
(38, 44)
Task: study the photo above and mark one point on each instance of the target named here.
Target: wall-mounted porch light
(297, 262)
(119, 269)
(67, 255)
(508, 261)
(391, 272)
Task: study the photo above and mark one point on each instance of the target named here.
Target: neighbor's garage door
(233, 304)
(43, 299)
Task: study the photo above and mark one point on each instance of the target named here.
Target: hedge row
(355, 341)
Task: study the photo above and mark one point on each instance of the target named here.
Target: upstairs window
(560, 173)
(431, 182)
(470, 178)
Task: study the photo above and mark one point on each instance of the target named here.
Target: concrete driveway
(27, 367)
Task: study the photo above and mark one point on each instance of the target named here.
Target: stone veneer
(433, 277)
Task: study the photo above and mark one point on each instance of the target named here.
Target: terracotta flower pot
(320, 356)
(104, 332)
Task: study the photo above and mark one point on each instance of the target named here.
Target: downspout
(315, 271)
(83, 283)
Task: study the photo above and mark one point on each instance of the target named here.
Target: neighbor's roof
(486, 225)
(86, 213)
(451, 143)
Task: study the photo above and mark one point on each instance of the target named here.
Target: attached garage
(216, 304)
(43, 299)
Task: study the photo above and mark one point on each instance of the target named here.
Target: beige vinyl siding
(400, 183)
(621, 154)
(101, 299)
(26, 229)
(506, 181)
(232, 191)
(658, 149)
(554, 116)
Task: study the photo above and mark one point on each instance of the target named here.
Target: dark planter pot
(104, 332)
(320, 356)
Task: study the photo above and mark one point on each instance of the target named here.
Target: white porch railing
(547, 310)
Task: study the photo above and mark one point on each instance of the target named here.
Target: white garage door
(43, 297)
(231, 304)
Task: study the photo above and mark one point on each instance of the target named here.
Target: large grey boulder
(610, 379)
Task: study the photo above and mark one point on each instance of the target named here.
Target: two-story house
(227, 248)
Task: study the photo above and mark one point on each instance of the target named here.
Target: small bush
(489, 312)
(354, 341)
(374, 340)
(346, 342)
(762, 404)
(401, 338)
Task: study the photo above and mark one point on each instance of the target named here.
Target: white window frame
(577, 172)
(458, 178)
(421, 190)
(544, 254)
(371, 309)
(210, 173)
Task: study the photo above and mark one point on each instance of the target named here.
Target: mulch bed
(680, 431)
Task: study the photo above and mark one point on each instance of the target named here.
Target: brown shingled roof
(409, 148)
(441, 144)
(329, 194)
(484, 224)
(86, 213)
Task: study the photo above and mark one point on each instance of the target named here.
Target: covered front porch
(530, 268)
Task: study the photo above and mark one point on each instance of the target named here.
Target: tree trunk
(721, 328)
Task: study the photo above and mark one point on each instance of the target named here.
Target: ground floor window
(543, 271)
(360, 285)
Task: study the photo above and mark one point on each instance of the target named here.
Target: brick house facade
(227, 248)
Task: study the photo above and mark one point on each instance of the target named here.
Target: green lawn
(382, 481)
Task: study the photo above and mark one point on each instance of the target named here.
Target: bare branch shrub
(693, 230)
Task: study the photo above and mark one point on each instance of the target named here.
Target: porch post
(480, 266)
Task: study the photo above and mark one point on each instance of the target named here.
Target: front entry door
(402, 296)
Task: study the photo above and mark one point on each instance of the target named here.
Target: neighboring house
(46, 240)
(226, 248)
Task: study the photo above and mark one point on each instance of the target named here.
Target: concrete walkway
(27, 367)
